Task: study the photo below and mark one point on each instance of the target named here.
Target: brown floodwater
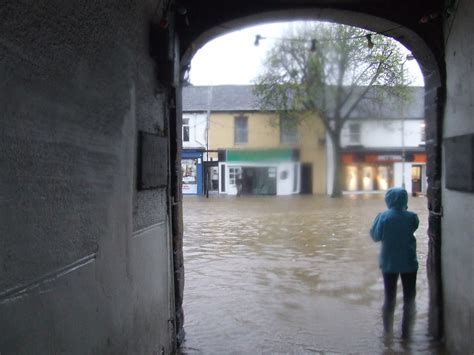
(292, 275)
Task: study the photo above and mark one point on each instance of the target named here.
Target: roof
(221, 98)
(240, 98)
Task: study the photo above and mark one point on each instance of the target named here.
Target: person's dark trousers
(409, 293)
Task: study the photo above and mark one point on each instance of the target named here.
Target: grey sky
(234, 59)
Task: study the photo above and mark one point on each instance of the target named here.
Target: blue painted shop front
(192, 171)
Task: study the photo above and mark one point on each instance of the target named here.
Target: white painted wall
(197, 130)
(398, 176)
(285, 186)
(457, 247)
(388, 133)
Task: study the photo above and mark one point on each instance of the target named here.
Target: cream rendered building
(273, 154)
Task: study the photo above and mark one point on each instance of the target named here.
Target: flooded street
(292, 275)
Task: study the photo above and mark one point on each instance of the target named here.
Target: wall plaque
(459, 166)
(152, 162)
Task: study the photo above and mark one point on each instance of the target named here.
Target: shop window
(368, 178)
(240, 129)
(234, 174)
(189, 174)
(185, 129)
(354, 133)
(288, 130)
(351, 178)
(382, 177)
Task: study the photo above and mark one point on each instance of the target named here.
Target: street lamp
(407, 58)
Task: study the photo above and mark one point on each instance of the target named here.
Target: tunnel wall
(85, 261)
(457, 222)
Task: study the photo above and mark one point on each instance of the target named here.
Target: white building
(384, 146)
(194, 132)
(199, 166)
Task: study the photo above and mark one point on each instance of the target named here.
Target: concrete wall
(85, 263)
(457, 222)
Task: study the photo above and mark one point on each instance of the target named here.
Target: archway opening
(246, 222)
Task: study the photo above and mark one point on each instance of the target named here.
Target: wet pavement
(292, 275)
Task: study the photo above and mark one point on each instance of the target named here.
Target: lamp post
(407, 58)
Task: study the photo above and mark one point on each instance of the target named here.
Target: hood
(397, 198)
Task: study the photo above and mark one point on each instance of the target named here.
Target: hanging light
(370, 44)
(257, 40)
(313, 45)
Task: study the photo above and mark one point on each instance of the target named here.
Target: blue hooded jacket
(395, 228)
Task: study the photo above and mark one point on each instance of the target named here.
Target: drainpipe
(208, 114)
(407, 58)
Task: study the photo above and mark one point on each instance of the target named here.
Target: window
(288, 130)
(423, 133)
(240, 129)
(234, 174)
(185, 129)
(354, 133)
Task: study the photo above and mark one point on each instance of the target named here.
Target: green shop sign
(258, 155)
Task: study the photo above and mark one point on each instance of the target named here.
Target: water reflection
(291, 275)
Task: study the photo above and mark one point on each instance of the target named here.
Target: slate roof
(240, 98)
(221, 97)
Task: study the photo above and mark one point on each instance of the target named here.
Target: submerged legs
(409, 293)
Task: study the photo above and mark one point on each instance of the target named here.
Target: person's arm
(416, 222)
(376, 231)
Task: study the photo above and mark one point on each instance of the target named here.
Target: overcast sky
(234, 59)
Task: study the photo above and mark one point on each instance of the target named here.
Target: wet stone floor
(292, 275)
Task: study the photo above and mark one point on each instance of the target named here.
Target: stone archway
(428, 57)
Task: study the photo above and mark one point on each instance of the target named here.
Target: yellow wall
(313, 150)
(264, 132)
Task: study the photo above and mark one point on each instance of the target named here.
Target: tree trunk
(337, 174)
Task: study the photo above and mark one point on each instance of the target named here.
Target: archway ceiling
(205, 15)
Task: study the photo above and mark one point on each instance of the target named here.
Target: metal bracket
(440, 213)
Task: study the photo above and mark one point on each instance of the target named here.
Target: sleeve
(376, 231)
(416, 222)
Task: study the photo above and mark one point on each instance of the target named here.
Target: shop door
(307, 178)
(415, 179)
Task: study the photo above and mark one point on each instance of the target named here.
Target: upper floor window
(354, 133)
(241, 129)
(288, 130)
(185, 129)
(423, 133)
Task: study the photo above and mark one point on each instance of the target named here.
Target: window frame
(354, 136)
(288, 130)
(241, 133)
(186, 128)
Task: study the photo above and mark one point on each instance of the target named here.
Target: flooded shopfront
(292, 275)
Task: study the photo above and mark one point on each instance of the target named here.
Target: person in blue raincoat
(395, 228)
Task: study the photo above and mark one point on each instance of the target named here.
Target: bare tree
(328, 70)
